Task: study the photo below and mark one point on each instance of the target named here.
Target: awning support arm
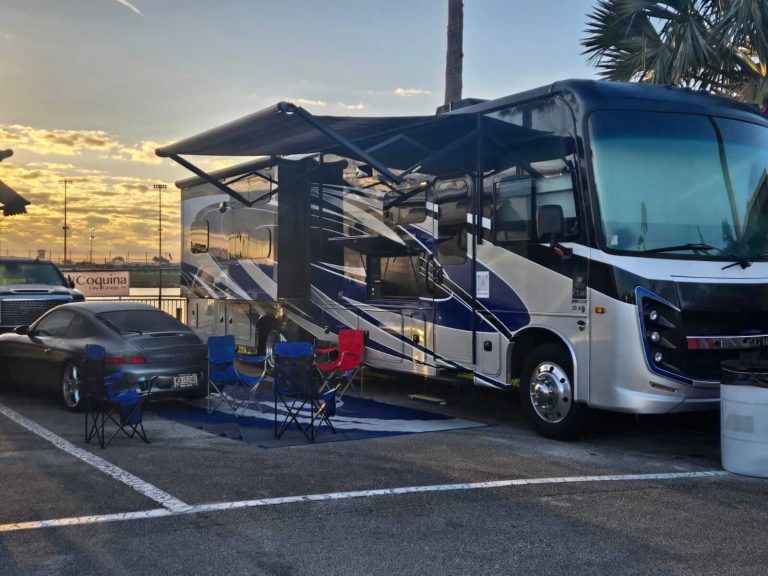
(288, 108)
(210, 179)
(455, 144)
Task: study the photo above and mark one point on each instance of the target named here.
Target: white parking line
(222, 506)
(144, 488)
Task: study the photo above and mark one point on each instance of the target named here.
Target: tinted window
(30, 273)
(451, 200)
(199, 237)
(55, 324)
(126, 321)
(530, 160)
(80, 327)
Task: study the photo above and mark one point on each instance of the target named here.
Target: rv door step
(430, 399)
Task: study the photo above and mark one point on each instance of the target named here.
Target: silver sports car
(140, 340)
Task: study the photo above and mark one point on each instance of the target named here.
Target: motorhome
(603, 244)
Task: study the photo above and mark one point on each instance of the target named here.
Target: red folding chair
(341, 371)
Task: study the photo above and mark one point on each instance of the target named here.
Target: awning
(279, 131)
(444, 144)
(13, 202)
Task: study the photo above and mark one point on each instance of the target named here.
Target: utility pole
(455, 52)
(159, 188)
(65, 181)
(90, 259)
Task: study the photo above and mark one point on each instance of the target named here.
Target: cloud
(307, 102)
(122, 208)
(60, 142)
(130, 6)
(359, 106)
(144, 152)
(410, 92)
(76, 143)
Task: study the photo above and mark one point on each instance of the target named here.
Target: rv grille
(20, 312)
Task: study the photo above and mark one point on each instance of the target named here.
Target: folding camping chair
(222, 372)
(105, 403)
(296, 389)
(341, 371)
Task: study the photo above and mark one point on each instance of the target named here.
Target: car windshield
(30, 273)
(141, 321)
(681, 183)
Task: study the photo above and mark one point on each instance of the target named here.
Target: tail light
(113, 360)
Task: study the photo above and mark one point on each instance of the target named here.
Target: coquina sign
(102, 283)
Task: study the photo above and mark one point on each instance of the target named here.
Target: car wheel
(546, 393)
(71, 386)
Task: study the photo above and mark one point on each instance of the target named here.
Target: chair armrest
(248, 359)
(326, 350)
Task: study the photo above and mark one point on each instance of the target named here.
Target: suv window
(55, 324)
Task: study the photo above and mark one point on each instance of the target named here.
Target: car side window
(80, 327)
(55, 324)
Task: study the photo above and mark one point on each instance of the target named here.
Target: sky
(89, 89)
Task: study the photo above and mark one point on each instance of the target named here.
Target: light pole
(65, 181)
(91, 239)
(159, 188)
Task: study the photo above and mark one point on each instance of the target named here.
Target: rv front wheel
(546, 393)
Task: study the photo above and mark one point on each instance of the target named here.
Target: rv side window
(513, 209)
(394, 277)
(532, 162)
(451, 200)
(199, 237)
(260, 243)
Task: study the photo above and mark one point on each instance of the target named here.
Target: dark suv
(28, 288)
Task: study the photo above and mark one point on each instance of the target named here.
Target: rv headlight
(654, 315)
(658, 357)
(655, 336)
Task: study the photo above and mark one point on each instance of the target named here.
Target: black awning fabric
(272, 132)
(13, 202)
(436, 145)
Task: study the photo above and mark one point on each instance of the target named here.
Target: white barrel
(744, 429)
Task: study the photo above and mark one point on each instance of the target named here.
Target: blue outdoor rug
(356, 419)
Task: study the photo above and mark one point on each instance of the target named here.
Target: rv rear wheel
(546, 393)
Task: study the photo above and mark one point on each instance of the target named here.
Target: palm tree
(715, 45)
(454, 53)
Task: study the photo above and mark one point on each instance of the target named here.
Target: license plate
(184, 380)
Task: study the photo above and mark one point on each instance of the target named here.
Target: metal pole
(65, 181)
(90, 258)
(159, 188)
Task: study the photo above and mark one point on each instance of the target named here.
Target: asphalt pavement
(633, 496)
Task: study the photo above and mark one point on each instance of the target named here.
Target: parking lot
(633, 496)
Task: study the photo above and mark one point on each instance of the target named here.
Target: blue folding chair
(106, 403)
(296, 389)
(222, 372)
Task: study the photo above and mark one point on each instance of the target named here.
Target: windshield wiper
(694, 247)
(742, 261)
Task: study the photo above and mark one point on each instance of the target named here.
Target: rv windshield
(681, 183)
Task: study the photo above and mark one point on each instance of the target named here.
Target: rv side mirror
(550, 226)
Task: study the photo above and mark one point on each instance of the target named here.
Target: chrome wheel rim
(551, 392)
(70, 386)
